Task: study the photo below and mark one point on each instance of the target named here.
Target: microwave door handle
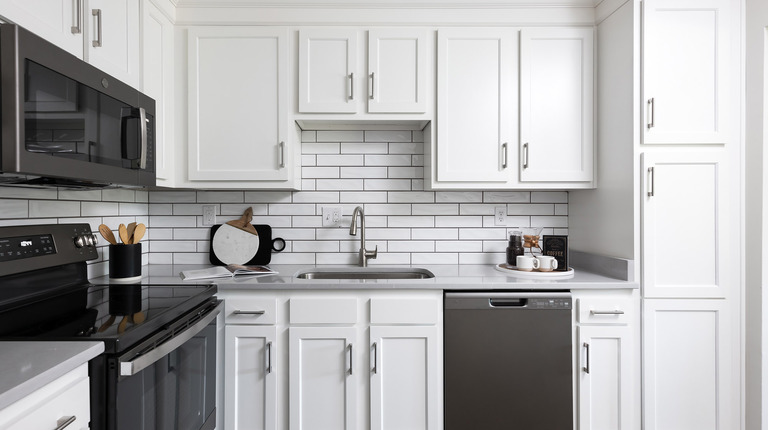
(143, 155)
(132, 367)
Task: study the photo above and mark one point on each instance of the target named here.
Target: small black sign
(556, 246)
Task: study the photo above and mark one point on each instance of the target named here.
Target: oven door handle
(132, 367)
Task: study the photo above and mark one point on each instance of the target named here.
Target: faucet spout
(363, 255)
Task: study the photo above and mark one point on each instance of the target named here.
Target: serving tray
(534, 274)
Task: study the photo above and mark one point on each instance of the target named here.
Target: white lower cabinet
(605, 360)
(65, 400)
(323, 377)
(308, 359)
(404, 378)
(689, 381)
(251, 390)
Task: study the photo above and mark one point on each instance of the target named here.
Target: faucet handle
(372, 254)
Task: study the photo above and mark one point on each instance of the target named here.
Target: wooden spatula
(107, 234)
(138, 233)
(123, 232)
(130, 229)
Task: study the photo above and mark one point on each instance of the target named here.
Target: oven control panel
(15, 248)
(30, 247)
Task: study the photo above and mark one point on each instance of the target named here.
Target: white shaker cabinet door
(476, 106)
(689, 383)
(324, 375)
(112, 42)
(404, 378)
(605, 378)
(684, 230)
(58, 21)
(397, 70)
(238, 95)
(685, 71)
(327, 66)
(249, 375)
(556, 104)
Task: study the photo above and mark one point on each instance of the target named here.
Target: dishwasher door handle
(508, 302)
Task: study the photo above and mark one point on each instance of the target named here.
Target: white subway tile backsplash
(100, 209)
(319, 172)
(10, 208)
(549, 197)
(340, 160)
(53, 208)
(339, 136)
(388, 160)
(364, 148)
(364, 172)
(388, 136)
(383, 171)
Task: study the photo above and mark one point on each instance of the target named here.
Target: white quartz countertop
(447, 277)
(26, 367)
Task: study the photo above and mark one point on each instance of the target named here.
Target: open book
(227, 272)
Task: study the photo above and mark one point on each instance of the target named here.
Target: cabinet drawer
(250, 311)
(404, 311)
(323, 311)
(51, 406)
(604, 310)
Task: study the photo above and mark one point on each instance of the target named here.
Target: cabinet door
(605, 378)
(238, 95)
(685, 71)
(556, 104)
(327, 65)
(58, 21)
(323, 380)
(397, 71)
(476, 109)
(157, 82)
(688, 381)
(249, 377)
(113, 38)
(404, 378)
(684, 225)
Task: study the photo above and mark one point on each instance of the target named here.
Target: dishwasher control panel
(549, 303)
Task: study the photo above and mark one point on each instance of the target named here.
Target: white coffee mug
(526, 263)
(547, 263)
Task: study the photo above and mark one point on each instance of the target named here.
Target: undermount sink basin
(365, 273)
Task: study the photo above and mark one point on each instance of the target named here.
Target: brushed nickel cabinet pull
(351, 86)
(282, 154)
(586, 366)
(504, 155)
(97, 42)
(239, 312)
(77, 20)
(652, 112)
(375, 358)
(64, 422)
(615, 312)
(373, 85)
(269, 357)
(350, 358)
(651, 180)
(525, 155)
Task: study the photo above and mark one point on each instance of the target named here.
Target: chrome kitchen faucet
(363, 254)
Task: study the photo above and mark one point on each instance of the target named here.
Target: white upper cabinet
(556, 104)
(684, 215)
(59, 21)
(327, 65)
(112, 43)
(476, 106)
(685, 71)
(157, 82)
(397, 70)
(332, 79)
(104, 33)
(238, 96)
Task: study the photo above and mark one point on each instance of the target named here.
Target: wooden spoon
(130, 229)
(123, 234)
(123, 325)
(138, 317)
(107, 324)
(138, 233)
(107, 234)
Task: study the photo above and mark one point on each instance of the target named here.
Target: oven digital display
(16, 248)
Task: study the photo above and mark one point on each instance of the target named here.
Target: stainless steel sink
(365, 273)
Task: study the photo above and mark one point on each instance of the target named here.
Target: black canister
(125, 262)
(514, 249)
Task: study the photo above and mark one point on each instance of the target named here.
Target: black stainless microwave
(67, 123)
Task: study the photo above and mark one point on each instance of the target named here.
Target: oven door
(168, 382)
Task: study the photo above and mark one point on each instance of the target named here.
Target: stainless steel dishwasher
(508, 361)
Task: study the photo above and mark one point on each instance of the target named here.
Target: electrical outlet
(209, 214)
(331, 216)
(500, 215)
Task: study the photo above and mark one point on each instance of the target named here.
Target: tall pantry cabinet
(673, 145)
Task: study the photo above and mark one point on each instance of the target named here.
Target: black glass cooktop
(118, 314)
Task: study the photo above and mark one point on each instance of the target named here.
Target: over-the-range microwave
(67, 123)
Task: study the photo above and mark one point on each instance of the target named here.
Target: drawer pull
(615, 312)
(64, 422)
(239, 312)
